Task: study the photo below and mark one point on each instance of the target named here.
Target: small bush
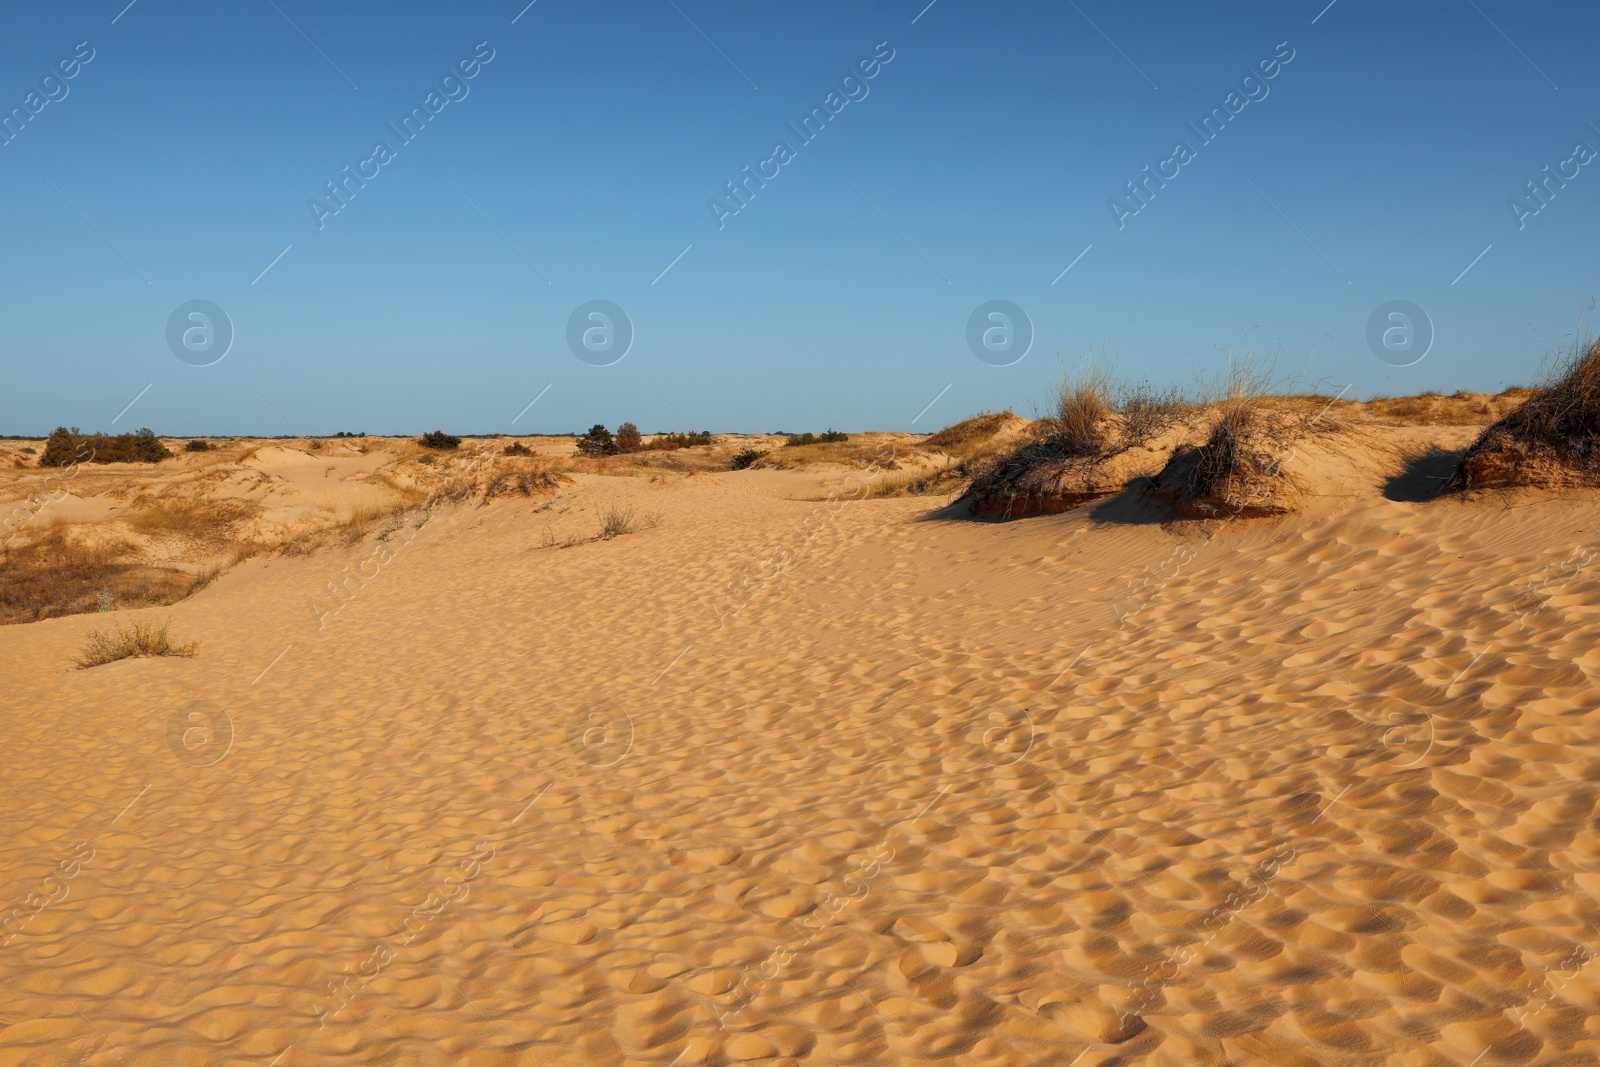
(197, 446)
(616, 522)
(438, 439)
(427, 458)
(597, 442)
(830, 437)
(517, 448)
(746, 458)
(140, 639)
(628, 439)
(317, 444)
(1551, 440)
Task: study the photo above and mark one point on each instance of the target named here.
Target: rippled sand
(793, 782)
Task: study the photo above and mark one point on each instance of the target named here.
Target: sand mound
(1552, 440)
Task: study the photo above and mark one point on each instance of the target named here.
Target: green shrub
(597, 442)
(440, 440)
(746, 458)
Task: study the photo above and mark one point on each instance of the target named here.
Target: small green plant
(102, 601)
(440, 440)
(139, 639)
(197, 446)
(746, 458)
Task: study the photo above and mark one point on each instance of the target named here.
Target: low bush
(197, 446)
(517, 448)
(440, 440)
(1552, 440)
(628, 439)
(746, 458)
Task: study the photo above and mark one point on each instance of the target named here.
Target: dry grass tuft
(1552, 440)
(139, 639)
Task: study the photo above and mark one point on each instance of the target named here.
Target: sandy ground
(852, 783)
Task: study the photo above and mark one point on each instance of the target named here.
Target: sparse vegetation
(520, 482)
(615, 522)
(746, 458)
(426, 458)
(197, 446)
(58, 574)
(669, 442)
(440, 441)
(1067, 457)
(127, 642)
(517, 448)
(829, 437)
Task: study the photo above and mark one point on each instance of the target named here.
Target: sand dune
(791, 781)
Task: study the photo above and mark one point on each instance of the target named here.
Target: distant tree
(597, 442)
(628, 439)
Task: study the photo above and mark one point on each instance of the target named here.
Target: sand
(786, 781)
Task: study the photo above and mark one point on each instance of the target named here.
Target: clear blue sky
(980, 163)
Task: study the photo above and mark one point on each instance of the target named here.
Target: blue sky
(580, 163)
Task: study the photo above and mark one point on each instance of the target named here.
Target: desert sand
(798, 780)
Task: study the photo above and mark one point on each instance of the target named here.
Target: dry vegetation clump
(520, 481)
(1552, 440)
(1081, 451)
(1237, 472)
(58, 574)
(439, 440)
(128, 642)
(963, 436)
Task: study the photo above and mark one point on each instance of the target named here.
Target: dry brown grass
(129, 642)
(59, 574)
(1551, 440)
